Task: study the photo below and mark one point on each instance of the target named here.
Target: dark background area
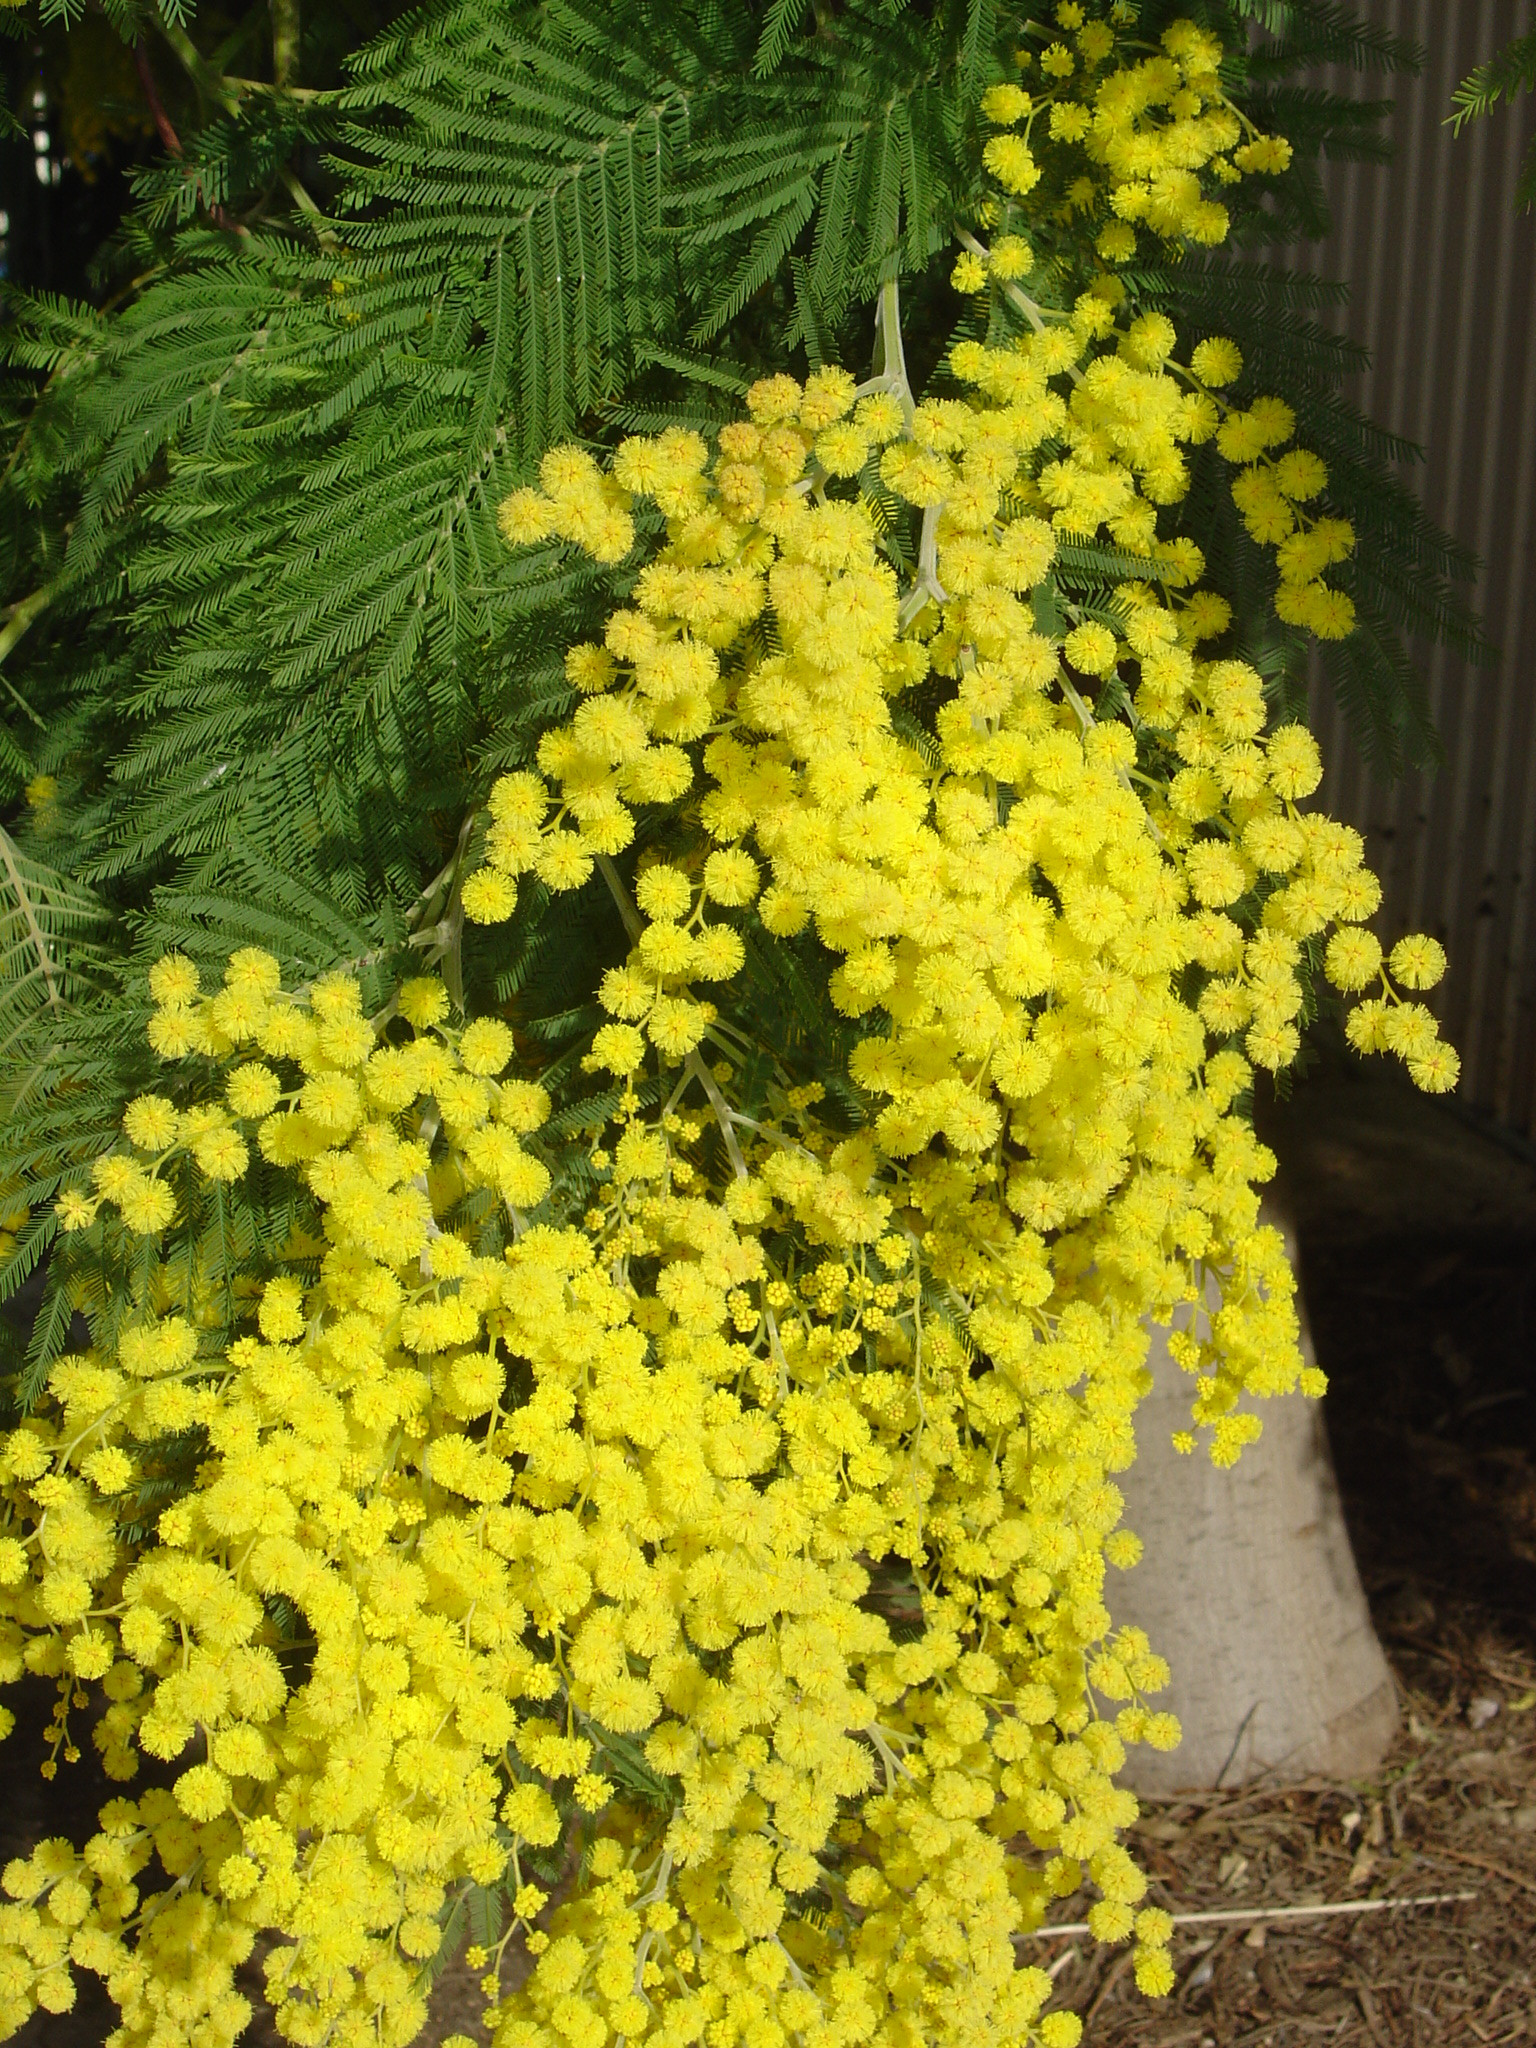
(65, 182)
(81, 97)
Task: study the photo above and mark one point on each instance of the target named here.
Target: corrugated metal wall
(1442, 276)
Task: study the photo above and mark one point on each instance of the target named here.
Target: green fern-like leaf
(1308, 32)
(1504, 77)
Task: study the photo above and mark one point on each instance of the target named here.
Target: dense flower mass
(696, 1567)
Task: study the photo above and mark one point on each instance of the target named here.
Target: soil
(1418, 1246)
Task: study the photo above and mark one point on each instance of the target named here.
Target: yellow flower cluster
(1053, 1150)
(638, 1502)
(614, 1508)
(1146, 132)
(1147, 129)
(678, 1529)
(1049, 854)
(333, 1777)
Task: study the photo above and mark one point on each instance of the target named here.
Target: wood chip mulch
(1453, 1810)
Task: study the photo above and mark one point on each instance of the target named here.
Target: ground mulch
(1453, 1810)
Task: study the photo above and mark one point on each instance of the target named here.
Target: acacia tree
(705, 653)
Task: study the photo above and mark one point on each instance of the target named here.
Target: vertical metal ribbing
(1442, 274)
(1508, 986)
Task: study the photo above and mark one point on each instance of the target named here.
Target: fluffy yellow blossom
(705, 1487)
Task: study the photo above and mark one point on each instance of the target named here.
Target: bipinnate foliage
(1504, 77)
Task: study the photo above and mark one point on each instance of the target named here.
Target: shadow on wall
(1442, 276)
(1418, 1256)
